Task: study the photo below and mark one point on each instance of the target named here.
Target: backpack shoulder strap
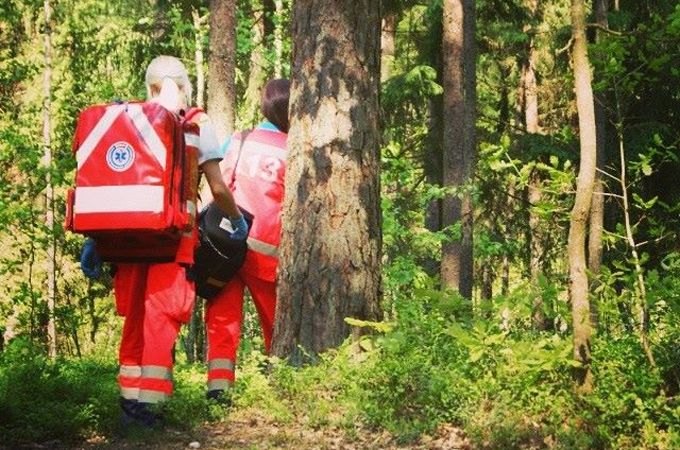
(192, 113)
(244, 135)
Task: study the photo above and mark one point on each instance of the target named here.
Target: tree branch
(599, 26)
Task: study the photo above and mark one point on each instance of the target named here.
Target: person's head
(275, 95)
(168, 68)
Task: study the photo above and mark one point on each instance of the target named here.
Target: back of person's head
(275, 96)
(163, 68)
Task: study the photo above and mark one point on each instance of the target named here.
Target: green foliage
(511, 388)
(411, 390)
(438, 358)
(42, 400)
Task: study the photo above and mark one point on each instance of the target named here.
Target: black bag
(218, 257)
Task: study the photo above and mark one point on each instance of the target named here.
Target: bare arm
(219, 190)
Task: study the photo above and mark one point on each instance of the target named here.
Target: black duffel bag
(218, 257)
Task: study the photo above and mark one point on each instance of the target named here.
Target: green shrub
(44, 401)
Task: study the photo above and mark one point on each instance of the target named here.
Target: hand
(90, 262)
(240, 227)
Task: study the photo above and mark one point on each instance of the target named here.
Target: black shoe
(147, 417)
(219, 396)
(139, 414)
(128, 406)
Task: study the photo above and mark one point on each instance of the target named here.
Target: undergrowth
(505, 386)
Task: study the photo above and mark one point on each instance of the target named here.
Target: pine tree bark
(458, 50)
(331, 239)
(222, 66)
(49, 188)
(578, 278)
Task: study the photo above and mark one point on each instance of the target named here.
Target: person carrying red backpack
(258, 187)
(156, 298)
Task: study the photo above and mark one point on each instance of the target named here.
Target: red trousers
(155, 300)
(224, 315)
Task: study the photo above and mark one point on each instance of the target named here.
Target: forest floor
(251, 431)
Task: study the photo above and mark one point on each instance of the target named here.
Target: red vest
(259, 189)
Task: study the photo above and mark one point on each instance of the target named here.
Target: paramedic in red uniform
(157, 298)
(258, 188)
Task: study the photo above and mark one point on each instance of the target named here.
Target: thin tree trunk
(432, 164)
(532, 126)
(258, 74)
(222, 66)
(433, 174)
(278, 39)
(94, 321)
(199, 33)
(487, 282)
(505, 276)
(597, 208)
(192, 332)
(578, 278)
(387, 44)
(640, 287)
(331, 238)
(458, 79)
(49, 189)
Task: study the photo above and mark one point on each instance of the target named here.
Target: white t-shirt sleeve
(208, 147)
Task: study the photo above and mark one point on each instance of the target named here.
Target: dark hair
(275, 95)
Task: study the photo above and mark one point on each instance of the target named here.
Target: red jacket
(258, 188)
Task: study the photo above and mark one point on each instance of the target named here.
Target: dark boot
(139, 414)
(148, 416)
(219, 396)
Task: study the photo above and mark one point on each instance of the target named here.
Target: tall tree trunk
(458, 78)
(387, 44)
(331, 238)
(433, 174)
(278, 39)
(640, 292)
(597, 208)
(199, 33)
(222, 66)
(578, 278)
(532, 126)
(258, 73)
(49, 189)
(433, 154)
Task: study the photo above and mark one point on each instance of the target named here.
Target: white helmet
(168, 67)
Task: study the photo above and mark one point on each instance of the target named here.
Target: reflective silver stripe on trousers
(219, 384)
(129, 393)
(130, 371)
(146, 396)
(159, 372)
(262, 247)
(221, 363)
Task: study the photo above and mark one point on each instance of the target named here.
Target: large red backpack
(136, 180)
